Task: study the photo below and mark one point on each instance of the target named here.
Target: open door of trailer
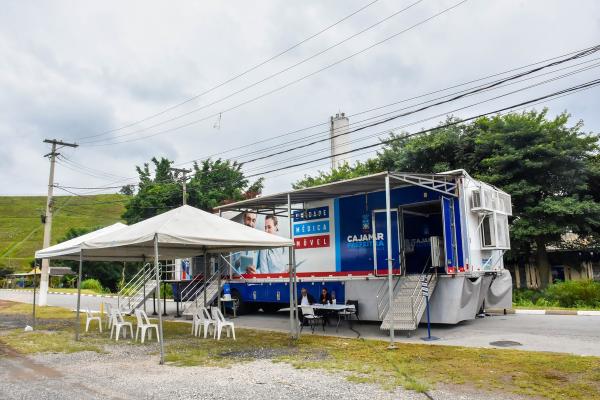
(452, 236)
(380, 242)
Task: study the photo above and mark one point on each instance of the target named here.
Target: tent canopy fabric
(69, 250)
(183, 232)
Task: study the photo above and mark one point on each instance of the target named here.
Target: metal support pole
(205, 276)
(291, 272)
(78, 325)
(34, 286)
(154, 302)
(177, 315)
(388, 237)
(218, 272)
(160, 321)
(165, 299)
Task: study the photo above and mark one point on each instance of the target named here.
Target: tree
(344, 171)
(551, 170)
(444, 149)
(213, 182)
(218, 181)
(155, 194)
(128, 190)
(545, 165)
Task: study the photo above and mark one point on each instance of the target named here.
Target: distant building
(340, 139)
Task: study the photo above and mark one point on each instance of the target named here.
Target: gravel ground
(133, 373)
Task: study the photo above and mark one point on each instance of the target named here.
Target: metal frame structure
(275, 205)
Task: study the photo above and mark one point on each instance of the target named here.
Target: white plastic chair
(143, 325)
(202, 320)
(91, 317)
(309, 315)
(118, 323)
(110, 315)
(218, 317)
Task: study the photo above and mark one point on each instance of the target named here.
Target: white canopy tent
(70, 249)
(183, 232)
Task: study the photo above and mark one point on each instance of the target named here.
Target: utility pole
(184, 173)
(45, 275)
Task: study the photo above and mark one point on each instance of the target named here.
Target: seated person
(325, 297)
(306, 299)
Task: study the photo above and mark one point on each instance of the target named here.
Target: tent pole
(205, 275)
(388, 237)
(160, 321)
(78, 325)
(291, 272)
(34, 286)
(218, 269)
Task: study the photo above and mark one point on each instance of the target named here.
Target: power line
(247, 71)
(486, 87)
(269, 77)
(538, 100)
(413, 112)
(382, 107)
(265, 94)
(374, 109)
(582, 86)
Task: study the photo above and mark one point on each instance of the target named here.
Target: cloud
(73, 70)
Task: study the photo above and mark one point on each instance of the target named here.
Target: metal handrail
(133, 281)
(135, 290)
(134, 284)
(232, 267)
(206, 283)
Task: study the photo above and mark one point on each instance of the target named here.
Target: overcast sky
(80, 70)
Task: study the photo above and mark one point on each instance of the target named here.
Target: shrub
(92, 284)
(577, 294)
(574, 293)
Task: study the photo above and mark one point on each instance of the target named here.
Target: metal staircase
(199, 292)
(408, 305)
(140, 287)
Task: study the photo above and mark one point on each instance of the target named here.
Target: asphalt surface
(554, 333)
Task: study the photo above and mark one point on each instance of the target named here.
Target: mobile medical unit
(448, 229)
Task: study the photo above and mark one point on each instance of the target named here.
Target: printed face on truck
(250, 219)
(271, 224)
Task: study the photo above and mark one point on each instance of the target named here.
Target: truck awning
(277, 203)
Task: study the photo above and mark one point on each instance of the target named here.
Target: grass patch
(46, 341)
(46, 312)
(417, 367)
(21, 230)
(65, 290)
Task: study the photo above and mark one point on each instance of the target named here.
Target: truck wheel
(241, 306)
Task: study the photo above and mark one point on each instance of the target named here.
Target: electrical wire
(265, 94)
(245, 72)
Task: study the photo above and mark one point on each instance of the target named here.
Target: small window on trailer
(488, 236)
(494, 231)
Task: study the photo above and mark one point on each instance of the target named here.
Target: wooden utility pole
(45, 274)
(184, 173)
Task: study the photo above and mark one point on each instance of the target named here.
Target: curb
(110, 296)
(588, 313)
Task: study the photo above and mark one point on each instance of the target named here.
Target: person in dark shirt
(325, 297)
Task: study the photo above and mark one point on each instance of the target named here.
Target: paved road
(555, 333)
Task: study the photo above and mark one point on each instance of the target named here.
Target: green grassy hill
(21, 229)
